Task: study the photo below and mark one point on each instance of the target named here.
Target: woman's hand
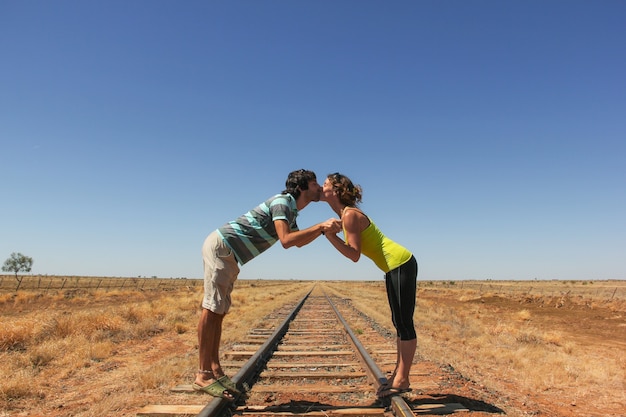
(331, 226)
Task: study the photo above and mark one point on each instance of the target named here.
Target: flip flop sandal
(389, 392)
(215, 389)
(383, 387)
(386, 385)
(229, 384)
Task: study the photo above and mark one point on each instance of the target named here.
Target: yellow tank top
(385, 253)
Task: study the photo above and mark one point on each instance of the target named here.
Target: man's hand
(332, 226)
(299, 238)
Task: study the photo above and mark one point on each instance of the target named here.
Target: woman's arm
(351, 247)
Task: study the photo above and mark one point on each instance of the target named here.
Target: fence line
(605, 290)
(46, 283)
(608, 289)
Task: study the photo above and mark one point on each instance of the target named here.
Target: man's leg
(220, 273)
(209, 336)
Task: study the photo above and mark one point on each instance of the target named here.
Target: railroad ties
(310, 364)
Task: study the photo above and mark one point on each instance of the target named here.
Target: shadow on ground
(307, 406)
(468, 403)
(435, 404)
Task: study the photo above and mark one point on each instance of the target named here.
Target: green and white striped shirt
(254, 232)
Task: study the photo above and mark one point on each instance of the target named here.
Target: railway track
(317, 358)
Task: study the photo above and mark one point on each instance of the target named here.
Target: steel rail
(255, 364)
(399, 407)
(370, 366)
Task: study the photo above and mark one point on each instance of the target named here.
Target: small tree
(18, 263)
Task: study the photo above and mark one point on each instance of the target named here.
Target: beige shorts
(220, 273)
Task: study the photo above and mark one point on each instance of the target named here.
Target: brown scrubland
(92, 346)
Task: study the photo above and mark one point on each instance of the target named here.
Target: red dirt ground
(597, 330)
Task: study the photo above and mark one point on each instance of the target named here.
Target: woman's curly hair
(348, 193)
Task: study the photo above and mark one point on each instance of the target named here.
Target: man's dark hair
(298, 181)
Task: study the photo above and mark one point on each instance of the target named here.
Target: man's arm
(299, 238)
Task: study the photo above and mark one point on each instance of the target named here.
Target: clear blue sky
(489, 137)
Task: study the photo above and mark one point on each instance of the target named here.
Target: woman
(399, 265)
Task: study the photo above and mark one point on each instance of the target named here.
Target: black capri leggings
(401, 286)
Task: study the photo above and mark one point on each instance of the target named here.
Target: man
(236, 243)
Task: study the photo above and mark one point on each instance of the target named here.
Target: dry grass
(515, 349)
(55, 343)
(129, 346)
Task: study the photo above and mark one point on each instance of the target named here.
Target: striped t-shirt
(254, 232)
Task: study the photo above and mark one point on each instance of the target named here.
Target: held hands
(331, 226)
